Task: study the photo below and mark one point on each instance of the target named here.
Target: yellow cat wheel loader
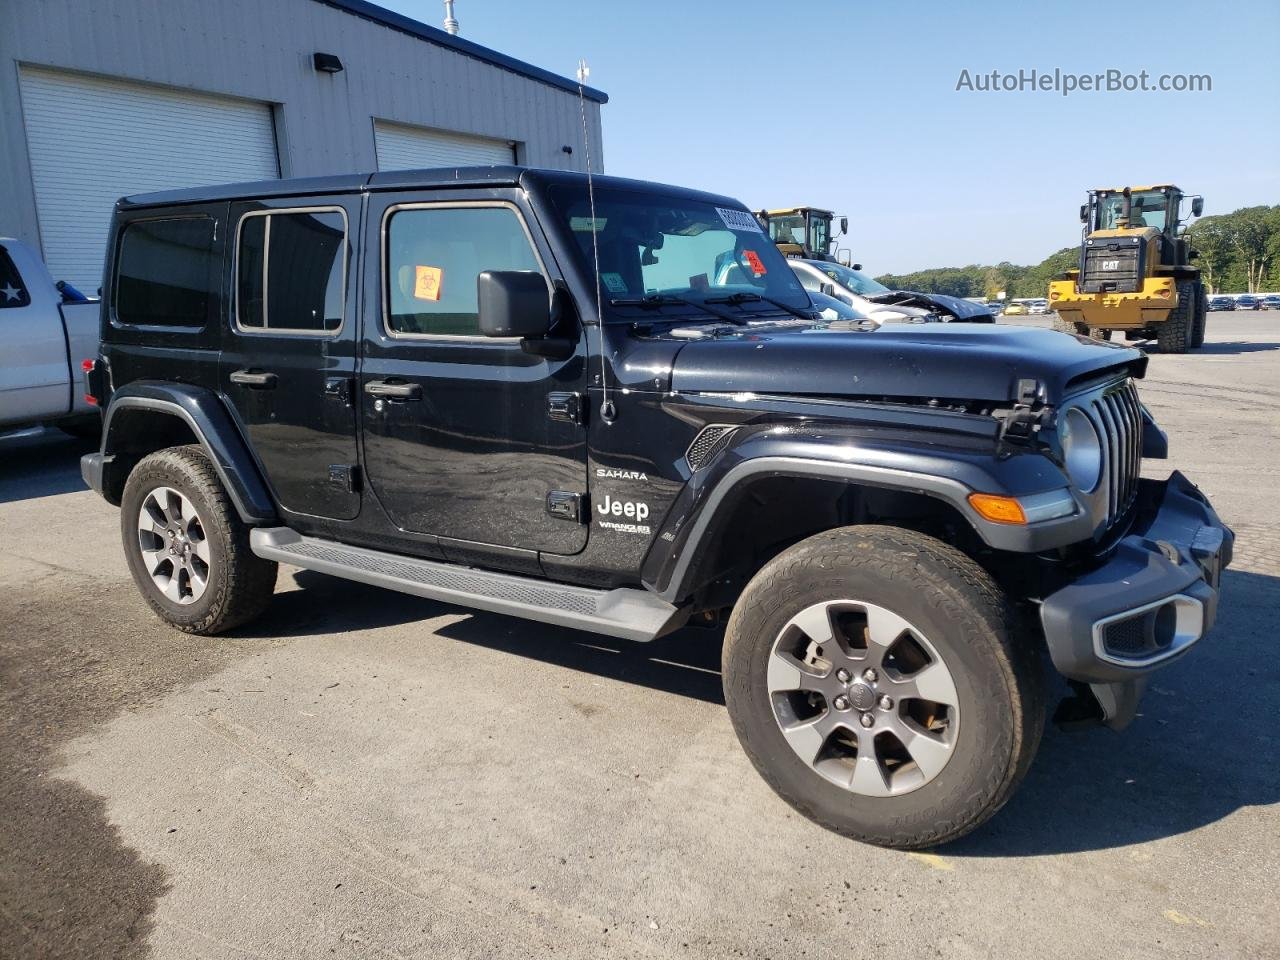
(803, 232)
(1135, 274)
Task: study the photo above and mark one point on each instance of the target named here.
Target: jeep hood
(946, 361)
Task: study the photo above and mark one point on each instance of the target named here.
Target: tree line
(1239, 253)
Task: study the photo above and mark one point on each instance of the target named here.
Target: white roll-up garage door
(94, 140)
(402, 147)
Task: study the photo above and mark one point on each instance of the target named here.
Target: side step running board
(626, 613)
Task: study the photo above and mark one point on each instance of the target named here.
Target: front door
(460, 438)
(288, 363)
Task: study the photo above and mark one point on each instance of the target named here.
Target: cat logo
(1110, 264)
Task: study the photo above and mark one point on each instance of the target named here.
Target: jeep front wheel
(875, 679)
(188, 550)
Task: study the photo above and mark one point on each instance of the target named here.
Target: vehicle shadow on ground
(41, 465)
(686, 663)
(1220, 348)
(1229, 347)
(1198, 751)
(1183, 764)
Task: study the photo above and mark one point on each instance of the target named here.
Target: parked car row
(1245, 301)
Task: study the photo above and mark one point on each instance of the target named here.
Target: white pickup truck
(46, 331)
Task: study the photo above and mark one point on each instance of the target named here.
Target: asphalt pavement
(363, 774)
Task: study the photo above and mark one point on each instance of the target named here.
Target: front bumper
(1148, 604)
(1115, 311)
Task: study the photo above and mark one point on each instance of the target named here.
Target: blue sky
(852, 105)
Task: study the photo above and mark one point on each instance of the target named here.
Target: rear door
(288, 364)
(466, 437)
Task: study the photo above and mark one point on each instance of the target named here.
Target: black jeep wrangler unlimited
(612, 406)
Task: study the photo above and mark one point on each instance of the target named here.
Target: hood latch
(1029, 416)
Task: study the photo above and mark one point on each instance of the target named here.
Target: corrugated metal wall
(262, 50)
(407, 148)
(130, 137)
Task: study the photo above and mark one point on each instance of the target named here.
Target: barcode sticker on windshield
(738, 220)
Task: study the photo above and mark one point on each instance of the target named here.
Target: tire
(214, 582)
(1100, 334)
(1202, 318)
(1176, 332)
(955, 614)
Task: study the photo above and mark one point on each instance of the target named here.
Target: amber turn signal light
(997, 509)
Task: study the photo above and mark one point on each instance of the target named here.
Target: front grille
(1111, 266)
(1117, 415)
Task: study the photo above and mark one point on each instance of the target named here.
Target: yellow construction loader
(1135, 273)
(802, 232)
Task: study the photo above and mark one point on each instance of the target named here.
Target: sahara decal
(607, 473)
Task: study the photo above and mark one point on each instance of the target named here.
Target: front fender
(942, 471)
(205, 414)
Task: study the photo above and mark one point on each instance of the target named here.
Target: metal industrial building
(104, 98)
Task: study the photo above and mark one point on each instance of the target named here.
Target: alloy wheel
(174, 545)
(863, 697)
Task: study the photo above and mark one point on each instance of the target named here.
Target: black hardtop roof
(433, 178)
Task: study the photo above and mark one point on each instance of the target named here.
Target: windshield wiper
(740, 298)
(655, 300)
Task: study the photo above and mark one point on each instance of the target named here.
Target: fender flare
(207, 417)
(669, 568)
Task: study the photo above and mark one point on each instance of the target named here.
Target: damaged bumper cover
(1149, 603)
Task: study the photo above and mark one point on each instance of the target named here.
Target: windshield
(788, 228)
(1149, 209)
(850, 278)
(653, 245)
(804, 230)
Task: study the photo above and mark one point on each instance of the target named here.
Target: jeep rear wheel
(188, 550)
(875, 679)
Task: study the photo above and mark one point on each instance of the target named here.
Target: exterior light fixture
(326, 62)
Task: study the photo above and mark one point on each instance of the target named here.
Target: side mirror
(855, 266)
(1084, 213)
(1197, 206)
(513, 303)
(844, 225)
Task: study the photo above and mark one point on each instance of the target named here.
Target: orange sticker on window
(426, 282)
(754, 261)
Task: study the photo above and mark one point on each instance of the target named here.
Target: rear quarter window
(13, 292)
(165, 272)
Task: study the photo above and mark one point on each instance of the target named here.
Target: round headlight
(1081, 450)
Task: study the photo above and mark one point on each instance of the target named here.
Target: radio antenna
(608, 412)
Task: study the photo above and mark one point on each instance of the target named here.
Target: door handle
(394, 391)
(257, 379)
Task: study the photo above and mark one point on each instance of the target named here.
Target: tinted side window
(165, 271)
(434, 257)
(291, 271)
(13, 292)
